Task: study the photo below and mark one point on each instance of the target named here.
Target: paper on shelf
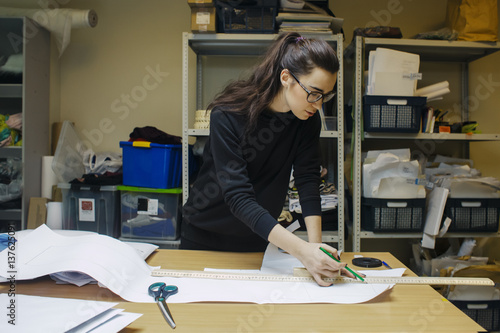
(436, 94)
(387, 165)
(435, 209)
(393, 84)
(432, 88)
(391, 61)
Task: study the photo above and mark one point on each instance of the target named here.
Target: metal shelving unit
(429, 50)
(251, 45)
(31, 98)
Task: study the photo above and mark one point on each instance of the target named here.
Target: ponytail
(291, 51)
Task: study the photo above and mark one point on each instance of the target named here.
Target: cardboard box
(203, 19)
(37, 212)
(200, 3)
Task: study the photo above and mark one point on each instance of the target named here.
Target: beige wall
(125, 72)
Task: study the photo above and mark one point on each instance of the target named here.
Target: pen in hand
(350, 270)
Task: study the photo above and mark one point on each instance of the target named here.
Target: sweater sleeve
(232, 175)
(307, 168)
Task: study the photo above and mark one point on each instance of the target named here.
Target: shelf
(428, 50)
(11, 90)
(434, 136)
(436, 50)
(30, 99)
(10, 214)
(370, 234)
(6, 152)
(327, 236)
(329, 134)
(235, 44)
(195, 46)
(205, 132)
(198, 132)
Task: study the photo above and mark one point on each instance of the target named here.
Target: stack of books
(308, 20)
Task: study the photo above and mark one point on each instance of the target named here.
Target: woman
(260, 129)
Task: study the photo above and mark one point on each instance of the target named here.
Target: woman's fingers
(319, 280)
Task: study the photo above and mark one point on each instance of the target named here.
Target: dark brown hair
(291, 51)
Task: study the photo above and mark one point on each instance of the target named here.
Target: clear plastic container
(91, 208)
(148, 213)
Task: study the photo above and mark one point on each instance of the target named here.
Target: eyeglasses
(314, 96)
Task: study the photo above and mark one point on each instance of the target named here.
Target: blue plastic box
(152, 165)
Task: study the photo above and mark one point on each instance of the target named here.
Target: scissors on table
(160, 292)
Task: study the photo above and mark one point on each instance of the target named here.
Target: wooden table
(406, 308)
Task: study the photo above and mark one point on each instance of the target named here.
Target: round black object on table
(367, 262)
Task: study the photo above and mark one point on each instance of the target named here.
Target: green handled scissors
(160, 292)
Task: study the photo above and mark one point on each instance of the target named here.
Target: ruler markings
(289, 278)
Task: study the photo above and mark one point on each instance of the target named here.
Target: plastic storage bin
(152, 165)
(393, 113)
(485, 313)
(91, 208)
(148, 213)
(236, 17)
(392, 215)
(473, 215)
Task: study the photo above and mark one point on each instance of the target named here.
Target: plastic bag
(475, 20)
(10, 179)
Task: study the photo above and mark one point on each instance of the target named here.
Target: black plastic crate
(393, 113)
(247, 16)
(485, 313)
(473, 215)
(392, 215)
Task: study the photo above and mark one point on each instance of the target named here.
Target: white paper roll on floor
(49, 178)
(54, 215)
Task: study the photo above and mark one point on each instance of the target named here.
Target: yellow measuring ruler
(336, 280)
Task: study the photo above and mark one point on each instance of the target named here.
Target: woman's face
(295, 97)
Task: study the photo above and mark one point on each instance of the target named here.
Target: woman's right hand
(319, 264)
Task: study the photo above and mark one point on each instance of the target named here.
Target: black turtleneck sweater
(242, 185)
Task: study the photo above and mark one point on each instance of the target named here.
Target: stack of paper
(392, 73)
(49, 314)
(309, 20)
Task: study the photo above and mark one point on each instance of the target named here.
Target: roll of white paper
(432, 88)
(54, 215)
(58, 21)
(83, 18)
(437, 93)
(49, 178)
